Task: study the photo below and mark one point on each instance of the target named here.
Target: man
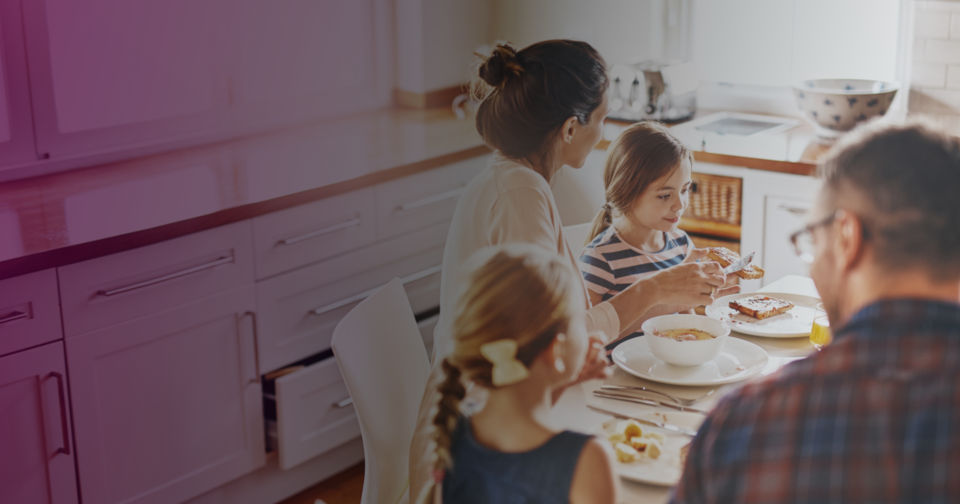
(875, 416)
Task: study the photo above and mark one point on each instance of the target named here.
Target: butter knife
(644, 400)
(661, 425)
(739, 264)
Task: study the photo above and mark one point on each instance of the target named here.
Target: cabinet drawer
(305, 234)
(147, 280)
(314, 413)
(426, 198)
(29, 311)
(298, 310)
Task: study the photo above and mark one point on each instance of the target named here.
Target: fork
(680, 401)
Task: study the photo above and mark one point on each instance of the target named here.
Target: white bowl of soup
(684, 339)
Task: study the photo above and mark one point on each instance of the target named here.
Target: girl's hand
(595, 367)
(690, 283)
(730, 285)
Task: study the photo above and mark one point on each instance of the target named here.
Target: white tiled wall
(935, 69)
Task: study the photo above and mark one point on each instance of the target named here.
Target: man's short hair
(908, 177)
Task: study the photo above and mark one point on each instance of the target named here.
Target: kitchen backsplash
(935, 69)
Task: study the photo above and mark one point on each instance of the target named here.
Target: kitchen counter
(57, 219)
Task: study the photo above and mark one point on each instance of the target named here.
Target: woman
(542, 108)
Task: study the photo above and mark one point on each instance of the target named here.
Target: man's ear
(849, 242)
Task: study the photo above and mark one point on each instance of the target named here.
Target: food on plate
(626, 453)
(630, 442)
(726, 257)
(684, 334)
(760, 307)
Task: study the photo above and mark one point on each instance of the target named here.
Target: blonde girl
(647, 181)
(519, 333)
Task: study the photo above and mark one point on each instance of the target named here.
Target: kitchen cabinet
(774, 205)
(109, 77)
(16, 119)
(108, 74)
(29, 311)
(782, 216)
(169, 405)
(293, 60)
(37, 465)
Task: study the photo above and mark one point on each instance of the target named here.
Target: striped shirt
(609, 264)
(874, 417)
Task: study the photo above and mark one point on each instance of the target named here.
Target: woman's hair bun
(500, 66)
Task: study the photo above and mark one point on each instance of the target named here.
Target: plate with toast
(767, 314)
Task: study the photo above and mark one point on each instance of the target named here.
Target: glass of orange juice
(820, 334)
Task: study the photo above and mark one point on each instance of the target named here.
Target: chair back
(384, 365)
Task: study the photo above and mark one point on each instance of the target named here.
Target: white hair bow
(503, 355)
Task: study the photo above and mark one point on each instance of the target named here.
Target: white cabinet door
(295, 59)
(168, 406)
(782, 217)
(37, 465)
(110, 74)
(16, 121)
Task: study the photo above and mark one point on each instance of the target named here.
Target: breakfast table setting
(668, 402)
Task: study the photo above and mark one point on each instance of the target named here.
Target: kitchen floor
(343, 488)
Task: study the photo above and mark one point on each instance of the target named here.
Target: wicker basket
(715, 198)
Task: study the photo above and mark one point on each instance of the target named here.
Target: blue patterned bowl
(837, 105)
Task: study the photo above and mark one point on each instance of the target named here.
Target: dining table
(580, 409)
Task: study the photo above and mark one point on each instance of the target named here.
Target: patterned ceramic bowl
(837, 105)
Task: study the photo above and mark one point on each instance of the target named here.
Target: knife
(661, 425)
(649, 402)
(739, 264)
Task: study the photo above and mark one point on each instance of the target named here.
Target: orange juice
(820, 332)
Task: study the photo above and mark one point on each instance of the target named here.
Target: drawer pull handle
(13, 316)
(320, 232)
(166, 278)
(343, 403)
(363, 295)
(427, 321)
(429, 200)
(792, 209)
(64, 428)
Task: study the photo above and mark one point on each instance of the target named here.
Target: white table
(572, 407)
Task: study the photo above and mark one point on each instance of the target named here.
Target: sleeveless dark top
(483, 475)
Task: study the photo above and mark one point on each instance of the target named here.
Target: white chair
(384, 365)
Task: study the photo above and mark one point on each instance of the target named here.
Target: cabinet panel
(168, 406)
(143, 281)
(117, 73)
(37, 465)
(295, 59)
(291, 238)
(16, 119)
(314, 413)
(298, 310)
(423, 199)
(29, 311)
(782, 217)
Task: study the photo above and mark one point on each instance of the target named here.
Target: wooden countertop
(67, 217)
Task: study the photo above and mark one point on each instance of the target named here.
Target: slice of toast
(760, 306)
(726, 257)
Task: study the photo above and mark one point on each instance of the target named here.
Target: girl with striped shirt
(647, 181)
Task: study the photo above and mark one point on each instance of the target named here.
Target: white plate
(794, 323)
(738, 360)
(662, 471)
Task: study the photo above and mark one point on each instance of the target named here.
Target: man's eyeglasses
(802, 239)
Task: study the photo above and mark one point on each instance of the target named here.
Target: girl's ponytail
(602, 221)
(452, 392)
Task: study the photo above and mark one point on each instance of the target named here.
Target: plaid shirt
(874, 417)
